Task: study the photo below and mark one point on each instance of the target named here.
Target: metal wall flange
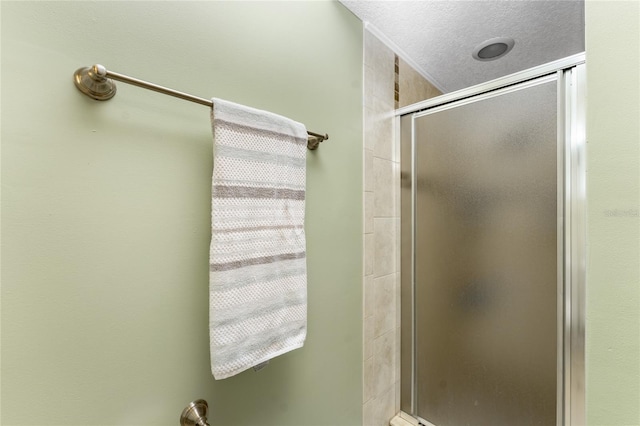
(195, 414)
(93, 82)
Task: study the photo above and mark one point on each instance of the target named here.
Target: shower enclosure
(493, 252)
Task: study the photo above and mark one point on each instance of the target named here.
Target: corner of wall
(388, 83)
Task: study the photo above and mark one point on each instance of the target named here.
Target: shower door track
(571, 244)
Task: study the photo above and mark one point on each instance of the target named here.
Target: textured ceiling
(438, 37)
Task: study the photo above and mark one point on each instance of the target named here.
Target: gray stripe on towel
(259, 156)
(246, 182)
(255, 261)
(221, 191)
(259, 228)
(255, 274)
(239, 252)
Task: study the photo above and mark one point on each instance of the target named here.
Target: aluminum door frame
(570, 74)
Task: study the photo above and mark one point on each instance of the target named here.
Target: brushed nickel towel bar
(97, 83)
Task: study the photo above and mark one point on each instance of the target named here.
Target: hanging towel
(257, 261)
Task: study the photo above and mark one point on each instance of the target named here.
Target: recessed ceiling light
(492, 49)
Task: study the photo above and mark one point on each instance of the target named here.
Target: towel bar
(97, 83)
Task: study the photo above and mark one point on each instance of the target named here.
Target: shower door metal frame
(569, 73)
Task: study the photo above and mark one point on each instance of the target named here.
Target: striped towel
(257, 261)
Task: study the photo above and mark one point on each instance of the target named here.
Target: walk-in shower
(493, 251)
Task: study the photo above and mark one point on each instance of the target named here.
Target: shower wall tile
(378, 129)
(367, 351)
(384, 362)
(369, 253)
(382, 90)
(384, 315)
(368, 212)
(368, 375)
(384, 194)
(368, 170)
(376, 92)
(383, 408)
(381, 107)
(413, 86)
(377, 86)
(367, 92)
(376, 53)
(380, 211)
(383, 142)
(381, 229)
(369, 123)
(384, 250)
(380, 60)
(369, 302)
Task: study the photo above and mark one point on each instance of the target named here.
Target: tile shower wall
(413, 87)
(389, 82)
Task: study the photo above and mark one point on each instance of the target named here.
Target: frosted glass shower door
(486, 259)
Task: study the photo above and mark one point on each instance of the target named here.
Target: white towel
(257, 262)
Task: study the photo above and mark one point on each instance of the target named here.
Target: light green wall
(613, 194)
(105, 210)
